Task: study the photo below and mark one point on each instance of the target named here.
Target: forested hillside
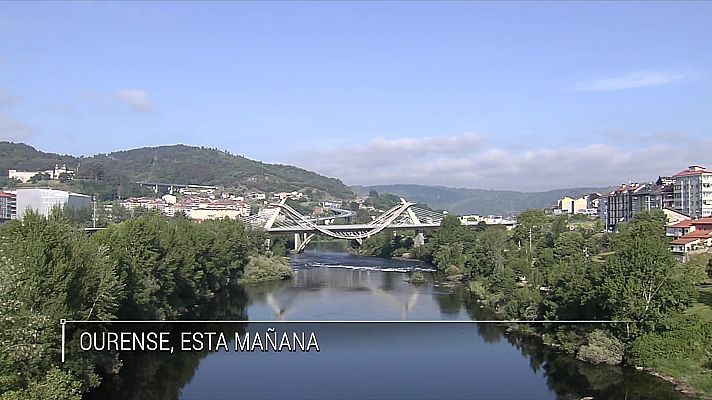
(175, 164)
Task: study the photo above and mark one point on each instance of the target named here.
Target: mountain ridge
(177, 163)
(477, 201)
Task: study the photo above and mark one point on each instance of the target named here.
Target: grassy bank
(261, 268)
(703, 305)
(691, 372)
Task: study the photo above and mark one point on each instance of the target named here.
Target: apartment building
(197, 208)
(668, 191)
(693, 191)
(8, 206)
(622, 203)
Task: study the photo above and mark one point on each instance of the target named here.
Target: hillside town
(685, 198)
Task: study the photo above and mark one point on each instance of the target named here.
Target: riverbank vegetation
(149, 267)
(263, 268)
(548, 268)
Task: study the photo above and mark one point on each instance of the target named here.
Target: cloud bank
(635, 80)
(137, 99)
(465, 161)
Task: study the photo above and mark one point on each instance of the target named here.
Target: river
(373, 360)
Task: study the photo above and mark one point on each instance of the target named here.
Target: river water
(373, 360)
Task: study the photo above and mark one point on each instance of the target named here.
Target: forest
(148, 267)
(548, 269)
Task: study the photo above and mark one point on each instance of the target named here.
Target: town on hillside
(685, 197)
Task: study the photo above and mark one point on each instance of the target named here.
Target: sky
(507, 95)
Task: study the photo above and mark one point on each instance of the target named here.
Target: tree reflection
(567, 377)
(451, 302)
(161, 376)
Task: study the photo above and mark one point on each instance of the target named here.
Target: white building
(169, 199)
(43, 201)
(693, 191)
(25, 176)
(22, 176)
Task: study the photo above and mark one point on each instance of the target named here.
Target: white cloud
(443, 162)
(635, 80)
(137, 99)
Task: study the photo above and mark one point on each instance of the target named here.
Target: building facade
(693, 191)
(43, 201)
(25, 176)
(569, 205)
(623, 203)
(8, 206)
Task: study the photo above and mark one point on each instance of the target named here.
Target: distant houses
(691, 236)
(474, 219)
(194, 207)
(587, 205)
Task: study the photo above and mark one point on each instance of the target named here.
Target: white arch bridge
(280, 218)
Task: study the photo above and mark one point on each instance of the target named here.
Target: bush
(602, 348)
(478, 289)
(453, 273)
(262, 268)
(417, 278)
(688, 336)
(399, 252)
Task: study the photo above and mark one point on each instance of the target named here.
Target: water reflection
(395, 302)
(376, 360)
(161, 376)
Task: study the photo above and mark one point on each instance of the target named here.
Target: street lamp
(531, 257)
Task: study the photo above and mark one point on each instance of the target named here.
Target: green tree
(362, 216)
(49, 270)
(641, 281)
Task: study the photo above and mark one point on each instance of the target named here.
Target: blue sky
(511, 95)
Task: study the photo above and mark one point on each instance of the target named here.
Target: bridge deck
(350, 228)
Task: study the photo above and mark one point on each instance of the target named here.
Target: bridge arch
(404, 216)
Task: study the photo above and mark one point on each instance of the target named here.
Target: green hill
(477, 201)
(104, 174)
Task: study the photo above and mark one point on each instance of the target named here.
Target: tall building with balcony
(8, 206)
(623, 203)
(693, 191)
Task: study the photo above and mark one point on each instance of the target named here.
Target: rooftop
(684, 240)
(698, 234)
(693, 170)
(682, 224)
